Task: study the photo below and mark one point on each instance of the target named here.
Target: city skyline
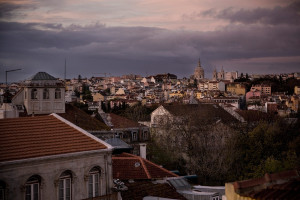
(147, 38)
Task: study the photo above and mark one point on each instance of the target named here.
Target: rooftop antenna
(65, 69)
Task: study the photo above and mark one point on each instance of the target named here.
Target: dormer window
(34, 93)
(46, 93)
(57, 93)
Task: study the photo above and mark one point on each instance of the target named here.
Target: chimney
(143, 152)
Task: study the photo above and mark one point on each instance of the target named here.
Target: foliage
(270, 147)
(220, 153)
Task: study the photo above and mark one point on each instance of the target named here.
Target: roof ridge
(145, 167)
(141, 161)
(160, 167)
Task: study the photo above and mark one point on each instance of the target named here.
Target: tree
(195, 142)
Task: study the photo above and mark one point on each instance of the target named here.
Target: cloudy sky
(148, 37)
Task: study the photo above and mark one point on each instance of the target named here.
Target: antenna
(65, 69)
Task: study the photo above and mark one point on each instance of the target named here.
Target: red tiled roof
(289, 190)
(140, 189)
(38, 136)
(284, 185)
(82, 119)
(127, 166)
(122, 122)
(267, 178)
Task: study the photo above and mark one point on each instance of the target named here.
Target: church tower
(222, 74)
(215, 75)
(199, 72)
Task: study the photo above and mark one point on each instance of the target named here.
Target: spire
(199, 63)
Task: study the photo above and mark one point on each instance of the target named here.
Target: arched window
(94, 182)
(2, 190)
(34, 93)
(46, 93)
(57, 93)
(65, 187)
(32, 188)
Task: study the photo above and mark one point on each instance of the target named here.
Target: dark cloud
(277, 15)
(10, 10)
(141, 50)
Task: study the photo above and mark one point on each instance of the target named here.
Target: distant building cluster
(51, 149)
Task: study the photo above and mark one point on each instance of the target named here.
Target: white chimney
(143, 147)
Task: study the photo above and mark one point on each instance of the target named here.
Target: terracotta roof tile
(31, 137)
(202, 111)
(127, 166)
(122, 122)
(82, 119)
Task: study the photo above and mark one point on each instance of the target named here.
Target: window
(32, 188)
(94, 182)
(34, 93)
(65, 181)
(134, 136)
(145, 135)
(46, 93)
(57, 93)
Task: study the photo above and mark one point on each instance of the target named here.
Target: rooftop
(123, 122)
(203, 111)
(127, 166)
(32, 137)
(42, 76)
(140, 189)
(82, 119)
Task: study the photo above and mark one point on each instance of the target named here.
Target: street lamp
(6, 96)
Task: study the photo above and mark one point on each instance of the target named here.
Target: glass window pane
(28, 192)
(36, 191)
(90, 185)
(61, 189)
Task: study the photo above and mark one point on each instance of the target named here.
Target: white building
(41, 94)
(47, 157)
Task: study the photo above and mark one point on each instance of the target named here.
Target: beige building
(41, 94)
(264, 89)
(236, 88)
(211, 85)
(98, 97)
(297, 90)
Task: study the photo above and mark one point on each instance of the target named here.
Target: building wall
(297, 90)
(236, 89)
(232, 195)
(44, 106)
(16, 175)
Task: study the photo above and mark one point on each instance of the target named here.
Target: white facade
(42, 94)
(15, 174)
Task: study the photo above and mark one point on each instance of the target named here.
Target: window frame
(33, 184)
(46, 93)
(34, 94)
(57, 93)
(134, 136)
(94, 182)
(64, 178)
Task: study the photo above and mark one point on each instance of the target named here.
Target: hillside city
(229, 136)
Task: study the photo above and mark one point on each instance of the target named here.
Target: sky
(113, 37)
